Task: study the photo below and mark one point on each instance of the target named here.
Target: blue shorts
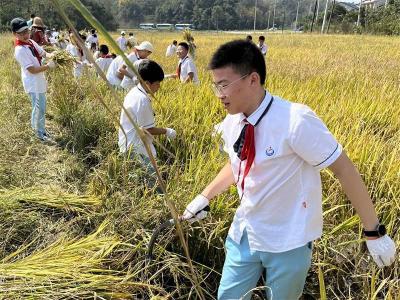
(285, 272)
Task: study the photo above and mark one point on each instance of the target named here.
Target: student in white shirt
(92, 38)
(122, 42)
(171, 49)
(55, 33)
(138, 52)
(104, 58)
(261, 45)
(119, 75)
(30, 21)
(131, 42)
(29, 55)
(276, 150)
(186, 71)
(80, 58)
(138, 105)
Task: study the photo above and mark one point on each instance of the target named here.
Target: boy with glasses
(276, 150)
(29, 55)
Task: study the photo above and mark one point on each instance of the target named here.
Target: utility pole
(330, 16)
(269, 14)
(359, 14)
(297, 15)
(324, 20)
(255, 16)
(313, 18)
(273, 17)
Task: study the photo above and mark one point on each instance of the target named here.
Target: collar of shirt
(253, 118)
(141, 88)
(183, 59)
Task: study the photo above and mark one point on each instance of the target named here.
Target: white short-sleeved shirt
(171, 50)
(263, 48)
(115, 65)
(113, 71)
(78, 67)
(104, 63)
(281, 208)
(187, 67)
(92, 39)
(33, 83)
(121, 41)
(138, 104)
(128, 83)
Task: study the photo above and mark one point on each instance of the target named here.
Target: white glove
(51, 64)
(171, 134)
(194, 211)
(382, 250)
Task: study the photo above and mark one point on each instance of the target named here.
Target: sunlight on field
(352, 82)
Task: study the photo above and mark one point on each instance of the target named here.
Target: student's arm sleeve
(312, 141)
(191, 67)
(23, 59)
(145, 117)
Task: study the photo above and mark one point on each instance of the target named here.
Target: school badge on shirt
(269, 151)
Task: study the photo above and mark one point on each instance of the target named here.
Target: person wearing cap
(138, 52)
(276, 151)
(37, 32)
(122, 42)
(29, 55)
(186, 71)
(137, 104)
(118, 70)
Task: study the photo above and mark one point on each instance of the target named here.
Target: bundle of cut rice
(188, 37)
(63, 58)
(49, 48)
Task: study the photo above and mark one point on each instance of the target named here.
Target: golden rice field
(76, 219)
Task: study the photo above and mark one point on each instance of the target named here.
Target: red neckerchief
(105, 56)
(248, 151)
(245, 145)
(31, 47)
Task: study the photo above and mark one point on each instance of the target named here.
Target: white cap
(145, 46)
(122, 32)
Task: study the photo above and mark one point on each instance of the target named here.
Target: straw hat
(37, 22)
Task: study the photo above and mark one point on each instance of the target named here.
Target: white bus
(184, 26)
(165, 26)
(147, 26)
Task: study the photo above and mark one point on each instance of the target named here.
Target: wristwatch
(378, 232)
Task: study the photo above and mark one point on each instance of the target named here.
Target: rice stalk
(76, 267)
(52, 198)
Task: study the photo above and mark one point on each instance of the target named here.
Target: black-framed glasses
(218, 89)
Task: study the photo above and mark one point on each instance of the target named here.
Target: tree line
(217, 15)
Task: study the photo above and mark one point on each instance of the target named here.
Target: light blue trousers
(38, 101)
(285, 276)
